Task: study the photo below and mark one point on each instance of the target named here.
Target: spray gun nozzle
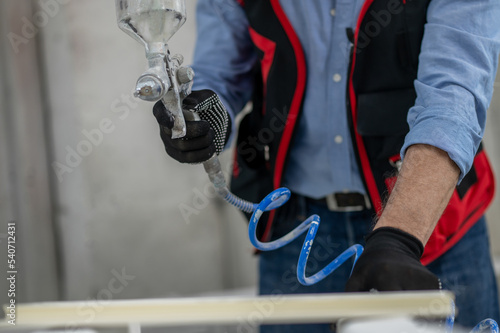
(144, 91)
(150, 87)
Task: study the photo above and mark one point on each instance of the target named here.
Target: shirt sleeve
(224, 54)
(457, 66)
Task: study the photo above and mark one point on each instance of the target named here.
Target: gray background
(119, 209)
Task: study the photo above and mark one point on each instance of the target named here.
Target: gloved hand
(390, 262)
(203, 138)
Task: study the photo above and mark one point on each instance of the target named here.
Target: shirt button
(333, 12)
(337, 77)
(339, 139)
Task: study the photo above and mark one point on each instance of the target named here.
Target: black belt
(344, 202)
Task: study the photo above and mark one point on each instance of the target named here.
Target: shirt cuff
(458, 139)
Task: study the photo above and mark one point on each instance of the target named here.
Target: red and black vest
(380, 91)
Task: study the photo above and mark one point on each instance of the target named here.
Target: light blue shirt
(457, 67)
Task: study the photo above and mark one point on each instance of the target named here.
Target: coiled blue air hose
(485, 325)
(278, 198)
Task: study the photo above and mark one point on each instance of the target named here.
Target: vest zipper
(360, 150)
(267, 155)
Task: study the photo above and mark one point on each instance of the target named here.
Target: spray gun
(153, 23)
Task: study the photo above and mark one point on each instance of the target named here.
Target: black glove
(203, 138)
(390, 262)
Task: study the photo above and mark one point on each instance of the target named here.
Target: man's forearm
(424, 187)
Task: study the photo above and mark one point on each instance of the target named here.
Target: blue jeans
(465, 269)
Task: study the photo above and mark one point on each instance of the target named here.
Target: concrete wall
(25, 195)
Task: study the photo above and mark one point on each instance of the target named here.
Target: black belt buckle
(347, 202)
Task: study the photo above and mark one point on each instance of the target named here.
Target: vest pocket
(384, 113)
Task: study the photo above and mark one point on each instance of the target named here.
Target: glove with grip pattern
(203, 138)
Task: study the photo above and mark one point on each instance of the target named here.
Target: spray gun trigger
(170, 119)
(191, 115)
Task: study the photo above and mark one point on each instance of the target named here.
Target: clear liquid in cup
(151, 21)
